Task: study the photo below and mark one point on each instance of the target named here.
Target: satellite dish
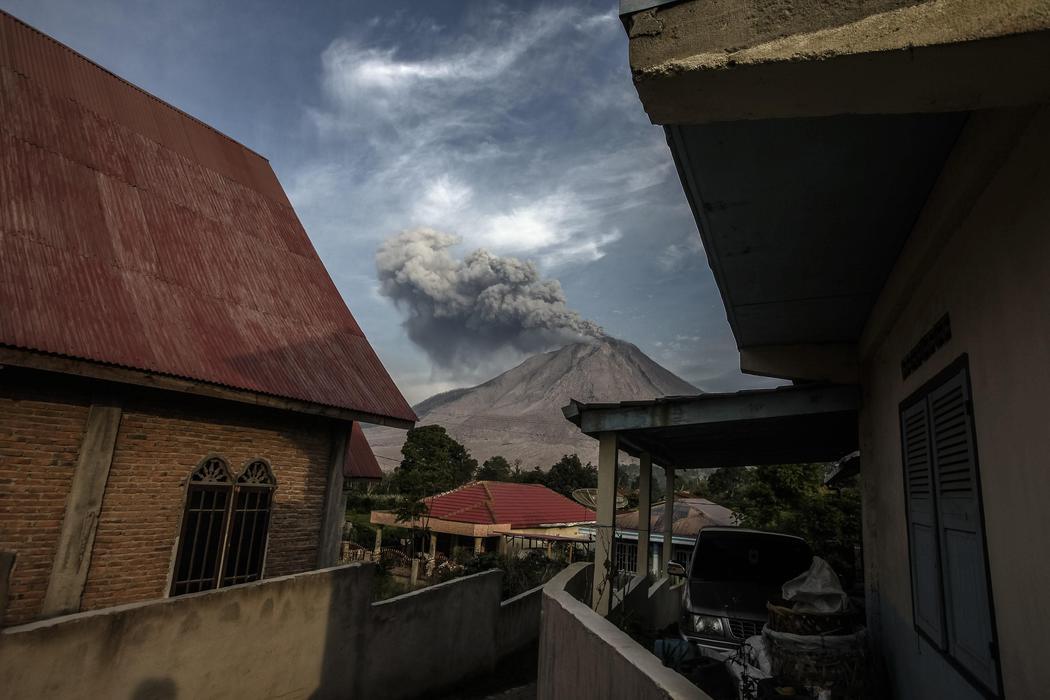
(589, 498)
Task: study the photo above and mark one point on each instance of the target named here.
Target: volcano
(518, 413)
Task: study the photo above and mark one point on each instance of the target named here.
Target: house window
(224, 526)
(250, 524)
(951, 591)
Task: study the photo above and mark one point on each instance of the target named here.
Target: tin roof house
(181, 381)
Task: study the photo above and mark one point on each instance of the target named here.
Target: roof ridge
(125, 81)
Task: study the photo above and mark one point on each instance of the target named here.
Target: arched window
(251, 524)
(224, 526)
(208, 497)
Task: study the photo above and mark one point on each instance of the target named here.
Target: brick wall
(158, 447)
(40, 433)
(162, 438)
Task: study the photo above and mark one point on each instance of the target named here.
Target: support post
(604, 547)
(479, 545)
(334, 500)
(414, 577)
(433, 545)
(69, 570)
(668, 517)
(377, 550)
(645, 480)
(7, 563)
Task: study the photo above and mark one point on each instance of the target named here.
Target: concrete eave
(694, 62)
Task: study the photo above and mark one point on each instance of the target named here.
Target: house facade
(179, 377)
(869, 181)
(497, 516)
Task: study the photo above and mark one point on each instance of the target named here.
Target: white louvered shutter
(922, 522)
(967, 607)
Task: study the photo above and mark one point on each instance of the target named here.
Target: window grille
(251, 521)
(224, 526)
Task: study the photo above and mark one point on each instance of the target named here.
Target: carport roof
(786, 425)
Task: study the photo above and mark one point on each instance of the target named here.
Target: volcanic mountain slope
(518, 414)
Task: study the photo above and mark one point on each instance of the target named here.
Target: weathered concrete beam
(73, 556)
(697, 62)
(334, 501)
(668, 543)
(605, 524)
(721, 408)
(835, 363)
(7, 565)
(645, 483)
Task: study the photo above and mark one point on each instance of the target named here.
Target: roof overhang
(809, 142)
(698, 61)
(786, 425)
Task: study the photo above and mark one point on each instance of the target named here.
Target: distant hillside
(518, 414)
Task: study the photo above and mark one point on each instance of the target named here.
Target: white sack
(817, 590)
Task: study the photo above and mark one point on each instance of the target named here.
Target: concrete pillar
(479, 545)
(334, 500)
(378, 549)
(414, 578)
(433, 545)
(668, 517)
(69, 569)
(605, 526)
(7, 563)
(645, 499)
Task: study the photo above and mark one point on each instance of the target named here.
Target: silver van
(732, 574)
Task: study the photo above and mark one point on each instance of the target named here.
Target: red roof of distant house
(520, 505)
(360, 461)
(135, 235)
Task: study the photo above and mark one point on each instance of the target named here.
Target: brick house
(179, 377)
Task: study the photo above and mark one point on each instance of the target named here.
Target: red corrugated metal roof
(135, 235)
(360, 461)
(520, 505)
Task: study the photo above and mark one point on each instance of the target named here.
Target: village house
(179, 376)
(869, 181)
(497, 516)
(688, 516)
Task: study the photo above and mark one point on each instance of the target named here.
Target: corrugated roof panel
(145, 239)
(360, 461)
(519, 505)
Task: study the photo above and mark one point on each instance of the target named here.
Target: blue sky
(514, 128)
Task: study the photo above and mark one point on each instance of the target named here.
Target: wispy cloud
(462, 135)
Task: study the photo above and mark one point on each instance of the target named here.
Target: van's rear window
(749, 556)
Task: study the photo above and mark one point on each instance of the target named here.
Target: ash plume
(462, 311)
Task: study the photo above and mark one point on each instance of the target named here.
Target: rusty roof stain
(134, 235)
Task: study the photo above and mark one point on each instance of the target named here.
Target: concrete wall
(434, 637)
(308, 635)
(584, 656)
(518, 626)
(665, 603)
(294, 636)
(981, 253)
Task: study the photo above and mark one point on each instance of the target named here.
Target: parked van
(732, 574)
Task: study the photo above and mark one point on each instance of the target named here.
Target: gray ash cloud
(462, 311)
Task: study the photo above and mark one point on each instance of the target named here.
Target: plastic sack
(750, 664)
(817, 590)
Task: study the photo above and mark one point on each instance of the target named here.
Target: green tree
(432, 462)
(569, 474)
(528, 476)
(725, 484)
(495, 468)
